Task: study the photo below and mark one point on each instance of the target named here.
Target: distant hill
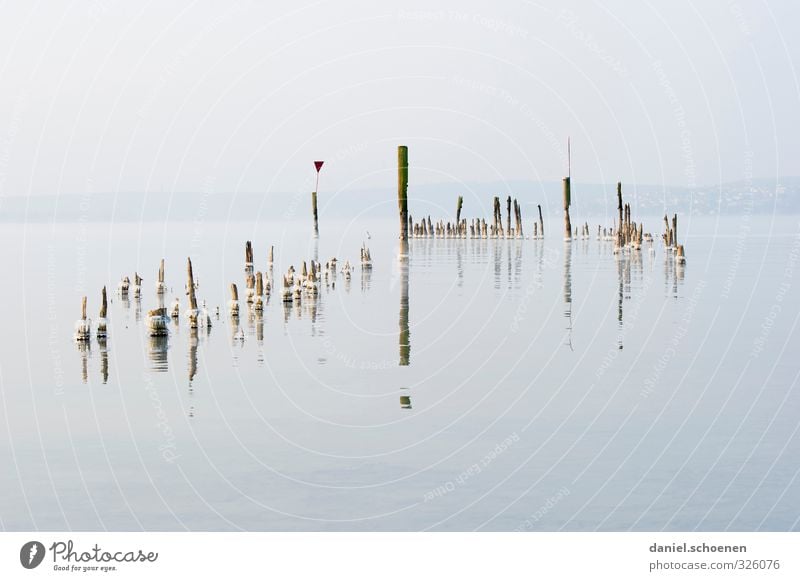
(756, 197)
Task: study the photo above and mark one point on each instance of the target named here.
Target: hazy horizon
(242, 98)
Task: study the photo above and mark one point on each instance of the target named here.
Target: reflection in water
(366, 278)
(103, 343)
(192, 356)
(259, 319)
(237, 335)
(518, 244)
(157, 347)
(311, 305)
(624, 285)
(674, 273)
(497, 254)
(459, 263)
(85, 350)
(137, 313)
(405, 334)
(568, 290)
(405, 402)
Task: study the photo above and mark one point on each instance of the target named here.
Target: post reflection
(193, 339)
(85, 351)
(157, 347)
(623, 286)
(103, 344)
(568, 290)
(405, 333)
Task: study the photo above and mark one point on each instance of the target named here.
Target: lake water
(482, 384)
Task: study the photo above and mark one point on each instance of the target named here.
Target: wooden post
(314, 211)
(567, 200)
(498, 217)
(234, 304)
(667, 232)
(508, 216)
(248, 254)
(102, 330)
(675, 230)
(190, 292)
(258, 301)
(680, 255)
(83, 326)
(161, 288)
(103, 305)
(541, 222)
(459, 204)
(402, 189)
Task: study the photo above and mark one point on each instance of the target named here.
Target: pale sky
(194, 96)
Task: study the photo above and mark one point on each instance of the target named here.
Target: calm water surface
(493, 385)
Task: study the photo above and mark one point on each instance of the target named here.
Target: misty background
(126, 111)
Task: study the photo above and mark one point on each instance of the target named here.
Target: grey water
(472, 385)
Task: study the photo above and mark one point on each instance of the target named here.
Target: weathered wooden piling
(680, 255)
(248, 254)
(157, 322)
(192, 312)
(498, 217)
(234, 302)
(675, 230)
(459, 205)
(161, 288)
(541, 222)
(176, 309)
(508, 216)
(667, 232)
(83, 326)
(286, 291)
(102, 327)
(314, 212)
(258, 302)
(402, 189)
(567, 201)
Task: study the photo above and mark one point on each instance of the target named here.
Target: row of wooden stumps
(628, 235)
(477, 227)
(259, 285)
(294, 286)
(670, 238)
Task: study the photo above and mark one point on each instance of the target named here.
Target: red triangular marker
(318, 165)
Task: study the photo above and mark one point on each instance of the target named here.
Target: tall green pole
(402, 189)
